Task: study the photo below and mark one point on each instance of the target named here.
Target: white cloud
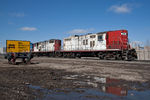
(79, 31)
(17, 14)
(124, 8)
(28, 29)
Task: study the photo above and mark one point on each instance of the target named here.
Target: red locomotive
(105, 45)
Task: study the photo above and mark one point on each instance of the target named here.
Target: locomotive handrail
(121, 42)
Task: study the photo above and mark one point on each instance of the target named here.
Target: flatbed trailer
(18, 49)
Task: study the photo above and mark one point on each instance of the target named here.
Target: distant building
(147, 48)
(3, 50)
(143, 52)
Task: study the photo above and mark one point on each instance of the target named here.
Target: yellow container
(16, 46)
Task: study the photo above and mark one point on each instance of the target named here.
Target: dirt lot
(72, 79)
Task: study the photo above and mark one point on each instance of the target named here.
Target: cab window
(100, 38)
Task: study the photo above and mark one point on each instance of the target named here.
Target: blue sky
(39, 20)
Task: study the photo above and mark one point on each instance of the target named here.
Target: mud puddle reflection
(95, 88)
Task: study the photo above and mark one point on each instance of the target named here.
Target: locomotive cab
(117, 40)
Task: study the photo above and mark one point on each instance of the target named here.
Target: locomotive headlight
(123, 33)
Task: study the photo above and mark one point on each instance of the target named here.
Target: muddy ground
(74, 79)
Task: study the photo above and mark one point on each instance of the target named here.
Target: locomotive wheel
(50, 55)
(118, 57)
(78, 55)
(124, 58)
(13, 61)
(57, 54)
(23, 60)
(106, 58)
(101, 56)
(28, 61)
(65, 55)
(130, 58)
(9, 61)
(72, 55)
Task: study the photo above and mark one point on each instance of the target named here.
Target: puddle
(102, 88)
(70, 77)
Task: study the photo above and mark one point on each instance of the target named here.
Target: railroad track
(97, 60)
(112, 60)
